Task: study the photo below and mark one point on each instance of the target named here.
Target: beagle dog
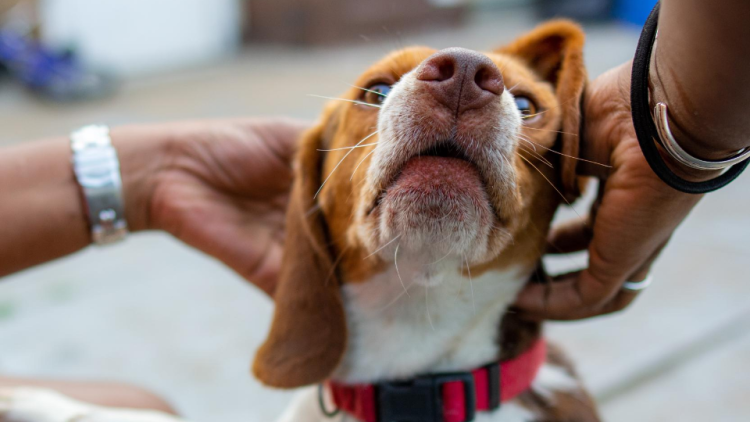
(420, 208)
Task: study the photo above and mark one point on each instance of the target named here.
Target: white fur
(392, 335)
(41, 405)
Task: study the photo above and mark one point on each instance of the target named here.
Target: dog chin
(437, 206)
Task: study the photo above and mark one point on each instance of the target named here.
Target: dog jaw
(446, 206)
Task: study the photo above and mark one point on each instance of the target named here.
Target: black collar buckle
(421, 399)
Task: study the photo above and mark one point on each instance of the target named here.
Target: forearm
(701, 70)
(42, 213)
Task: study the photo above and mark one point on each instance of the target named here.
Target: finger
(570, 236)
(266, 277)
(581, 294)
(567, 286)
(625, 297)
(282, 133)
(562, 299)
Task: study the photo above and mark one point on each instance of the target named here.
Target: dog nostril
(438, 69)
(489, 79)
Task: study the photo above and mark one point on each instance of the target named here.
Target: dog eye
(526, 107)
(376, 94)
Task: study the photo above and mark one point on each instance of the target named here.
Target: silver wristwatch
(97, 170)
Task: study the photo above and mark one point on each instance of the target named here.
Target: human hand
(631, 221)
(222, 187)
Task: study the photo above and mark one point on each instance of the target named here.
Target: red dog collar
(451, 397)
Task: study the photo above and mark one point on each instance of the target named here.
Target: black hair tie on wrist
(645, 128)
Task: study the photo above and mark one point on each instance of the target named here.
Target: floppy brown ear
(555, 51)
(308, 334)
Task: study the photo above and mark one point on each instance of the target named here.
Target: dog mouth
(447, 149)
(439, 176)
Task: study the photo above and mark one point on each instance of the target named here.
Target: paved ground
(154, 312)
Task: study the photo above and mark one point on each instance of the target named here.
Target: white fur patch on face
(443, 223)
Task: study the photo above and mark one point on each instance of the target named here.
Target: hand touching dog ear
(224, 189)
(220, 186)
(555, 51)
(635, 213)
(308, 335)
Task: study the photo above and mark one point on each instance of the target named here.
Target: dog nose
(461, 79)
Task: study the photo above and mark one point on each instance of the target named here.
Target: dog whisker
(398, 273)
(537, 156)
(345, 99)
(529, 116)
(427, 305)
(568, 156)
(471, 285)
(341, 161)
(382, 247)
(533, 145)
(535, 153)
(313, 209)
(549, 130)
(360, 163)
(551, 108)
(395, 299)
(502, 68)
(345, 148)
(551, 184)
(397, 36)
(369, 90)
(446, 256)
(501, 231)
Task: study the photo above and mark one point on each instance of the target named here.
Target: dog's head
(437, 153)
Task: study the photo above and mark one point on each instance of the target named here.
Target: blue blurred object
(580, 10)
(56, 75)
(633, 11)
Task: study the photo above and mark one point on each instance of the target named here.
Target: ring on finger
(636, 286)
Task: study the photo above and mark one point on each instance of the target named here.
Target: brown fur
(555, 50)
(574, 406)
(306, 341)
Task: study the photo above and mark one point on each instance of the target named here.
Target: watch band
(97, 170)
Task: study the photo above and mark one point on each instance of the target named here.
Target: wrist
(142, 151)
(697, 126)
(691, 137)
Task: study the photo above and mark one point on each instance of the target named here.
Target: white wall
(140, 36)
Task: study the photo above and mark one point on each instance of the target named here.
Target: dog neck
(416, 319)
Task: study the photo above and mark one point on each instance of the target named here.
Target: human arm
(636, 213)
(219, 186)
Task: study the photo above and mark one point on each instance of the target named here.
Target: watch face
(90, 136)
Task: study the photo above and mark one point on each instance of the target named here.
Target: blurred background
(153, 312)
